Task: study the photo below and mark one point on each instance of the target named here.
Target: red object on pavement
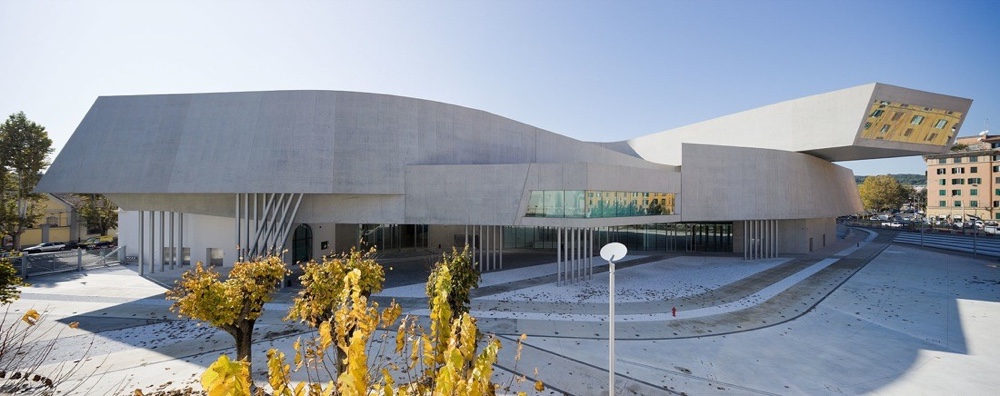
(674, 311)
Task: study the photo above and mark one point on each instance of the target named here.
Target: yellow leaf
(31, 317)
(74, 325)
(539, 386)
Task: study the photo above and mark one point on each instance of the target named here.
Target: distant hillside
(904, 179)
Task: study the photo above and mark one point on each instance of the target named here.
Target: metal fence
(64, 261)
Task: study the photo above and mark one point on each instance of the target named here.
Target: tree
(9, 282)
(463, 278)
(24, 150)
(98, 211)
(323, 285)
(443, 362)
(232, 305)
(882, 192)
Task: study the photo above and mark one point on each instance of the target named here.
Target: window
(996, 204)
(958, 204)
(939, 125)
(943, 181)
(975, 180)
(943, 204)
(997, 215)
(885, 128)
(996, 192)
(973, 169)
(974, 159)
(998, 181)
(957, 181)
(917, 119)
(909, 131)
(996, 168)
(974, 192)
(876, 113)
(941, 192)
(52, 221)
(943, 171)
(868, 125)
(942, 160)
(973, 204)
(956, 193)
(895, 116)
(957, 160)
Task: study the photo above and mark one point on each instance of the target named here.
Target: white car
(44, 247)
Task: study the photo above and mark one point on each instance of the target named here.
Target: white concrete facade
(239, 165)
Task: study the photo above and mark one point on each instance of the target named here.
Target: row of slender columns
(263, 221)
(488, 252)
(574, 255)
(167, 252)
(760, 239)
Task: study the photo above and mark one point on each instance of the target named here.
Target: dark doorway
(302, 242)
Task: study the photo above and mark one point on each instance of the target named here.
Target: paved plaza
(862, 316)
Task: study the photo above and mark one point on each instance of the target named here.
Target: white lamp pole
(611, 252)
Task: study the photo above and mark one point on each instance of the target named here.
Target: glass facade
(691, 237)
(597, 204)
(392, 236)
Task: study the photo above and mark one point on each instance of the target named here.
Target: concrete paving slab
(877, 319)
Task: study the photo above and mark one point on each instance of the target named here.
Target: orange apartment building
(965, 183)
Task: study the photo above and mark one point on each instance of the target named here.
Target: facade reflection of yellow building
(598, 204)
(908, 123)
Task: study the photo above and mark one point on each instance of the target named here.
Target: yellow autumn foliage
(226, 378)
(443, 361)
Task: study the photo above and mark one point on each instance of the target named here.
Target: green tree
(882, 192)
(98, 211)
(463, 278)
(24, 151)
(232, 305)
(10, 280)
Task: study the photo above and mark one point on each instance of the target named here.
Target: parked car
(97, 242)
(44, 247)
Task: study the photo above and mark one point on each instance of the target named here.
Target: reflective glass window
(554, 204)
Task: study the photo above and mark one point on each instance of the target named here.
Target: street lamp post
(610, 253)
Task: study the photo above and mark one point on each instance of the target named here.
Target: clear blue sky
(599, 70)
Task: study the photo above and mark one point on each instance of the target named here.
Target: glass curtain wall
(596, 204)
(692, 237)
(393, 236)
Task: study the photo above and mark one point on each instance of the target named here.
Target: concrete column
(152, 242)
(501, 247)
(142, 249)
(159, 252)
(236, 224)
(180, 239)
(173, 248)
(559, 264)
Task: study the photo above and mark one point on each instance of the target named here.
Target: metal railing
(69, 260)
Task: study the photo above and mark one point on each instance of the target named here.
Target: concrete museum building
(218, 176)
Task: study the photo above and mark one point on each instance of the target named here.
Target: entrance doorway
(302, 244)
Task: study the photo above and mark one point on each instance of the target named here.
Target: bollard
(24, 266)
(79, 259)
